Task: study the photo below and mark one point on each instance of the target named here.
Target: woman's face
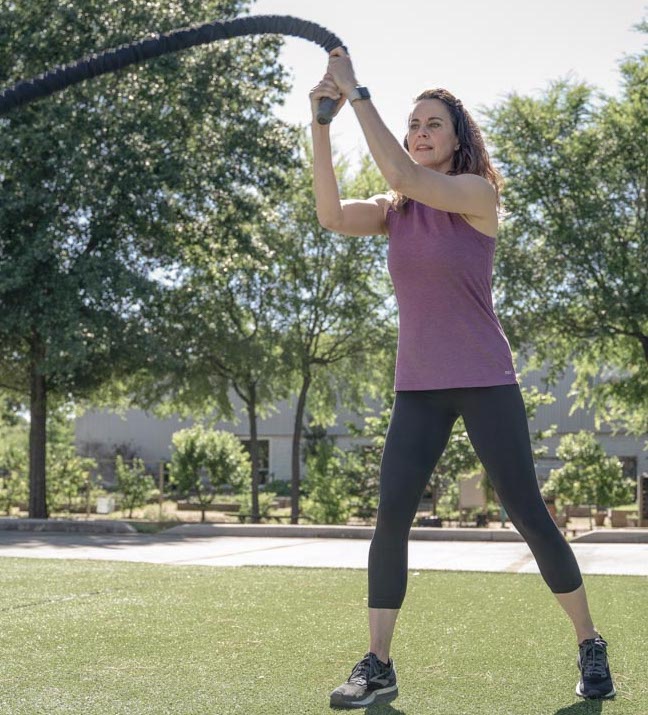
(431, 137)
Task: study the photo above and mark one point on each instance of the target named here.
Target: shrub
(14, 486)
(279, 487)
(135, 486)
(69, 477)
(205, 461)
(327, 486)
(265, 504)
(588, 476)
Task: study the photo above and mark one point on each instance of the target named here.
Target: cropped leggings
(418, 432)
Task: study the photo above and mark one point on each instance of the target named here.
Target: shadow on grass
(376, 709)
(586, 707)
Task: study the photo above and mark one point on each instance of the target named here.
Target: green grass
(108, 637)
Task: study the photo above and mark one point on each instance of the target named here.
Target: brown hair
(471, 157)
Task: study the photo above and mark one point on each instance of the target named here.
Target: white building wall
(99, 432)
(620, 445)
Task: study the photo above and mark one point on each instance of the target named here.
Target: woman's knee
(394, 512)
(535, 523)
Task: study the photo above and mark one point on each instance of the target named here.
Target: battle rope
(111, 60)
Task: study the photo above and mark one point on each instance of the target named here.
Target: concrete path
(185, 549)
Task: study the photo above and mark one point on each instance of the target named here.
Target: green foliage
(135, 485)
(245, 500)
(14, 487)
(278, 487)
(327, 485)
(458, 460)
(105, 187)
(588, 475)
(571, 271)
(363, 479)
(216, 455)
(10, 411)
(69, 475)
(363, 462)
(448, 507)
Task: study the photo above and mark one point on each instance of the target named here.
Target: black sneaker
(371, 681)
(592, 661)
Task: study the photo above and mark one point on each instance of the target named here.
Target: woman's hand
(341, 69)
(326, 88)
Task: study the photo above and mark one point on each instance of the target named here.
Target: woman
(453, 357)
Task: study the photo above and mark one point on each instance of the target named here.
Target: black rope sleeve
(95, 65)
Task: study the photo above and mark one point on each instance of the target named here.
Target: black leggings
(419, 430)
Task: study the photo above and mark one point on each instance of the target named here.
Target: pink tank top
(448, 334)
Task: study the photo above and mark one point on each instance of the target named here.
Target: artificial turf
(104, 637)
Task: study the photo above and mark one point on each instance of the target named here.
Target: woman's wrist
(347, 89)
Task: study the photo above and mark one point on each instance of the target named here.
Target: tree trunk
(435, 494)
(254, 454)
(644, 345)
(296, 445)
(37, 432)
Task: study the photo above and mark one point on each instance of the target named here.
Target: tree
(588, 476)
(103, 188)
(280, 307)
(571, 266)
(339, 317)
(218, 455)
(134, 484)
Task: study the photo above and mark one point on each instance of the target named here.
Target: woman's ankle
(384, 661)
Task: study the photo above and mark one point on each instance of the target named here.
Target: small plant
(14, 488)
(206, 461)
(135, 485)
(327, 485)
(588, 476)
(69, 477)
(245, 500)
(278, 487)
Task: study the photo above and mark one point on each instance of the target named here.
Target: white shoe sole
(594, 697)
(377, 696)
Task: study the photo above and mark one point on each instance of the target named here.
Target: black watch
(359, 93)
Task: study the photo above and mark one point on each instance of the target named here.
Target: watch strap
(359, 93)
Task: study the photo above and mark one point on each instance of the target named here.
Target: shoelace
(361, 671)
(593, 659)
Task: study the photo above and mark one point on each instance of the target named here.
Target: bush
(265, 504)
(14, 487)
(327, 486)
(135, 486)
(448, 506)
(215, 454)
(588, 476)
(279, 487)
(69, 477)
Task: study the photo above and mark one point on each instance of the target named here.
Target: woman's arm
(352, 218)
(466, 193)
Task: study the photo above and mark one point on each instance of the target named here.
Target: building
(100, 433)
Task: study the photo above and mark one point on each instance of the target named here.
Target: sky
(480, 50)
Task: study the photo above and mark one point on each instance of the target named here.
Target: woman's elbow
(328, 222)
